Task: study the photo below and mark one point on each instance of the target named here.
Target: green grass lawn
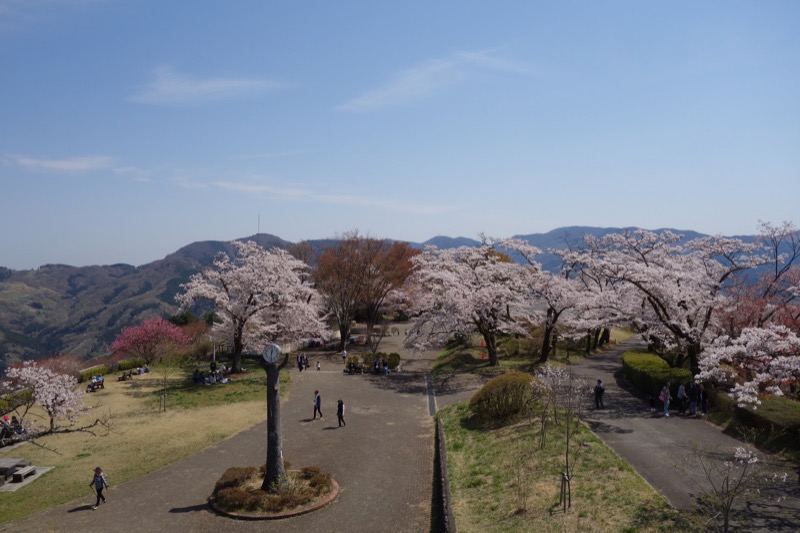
(501, 480)
(140, 438)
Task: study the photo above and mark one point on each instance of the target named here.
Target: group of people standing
(696, 396)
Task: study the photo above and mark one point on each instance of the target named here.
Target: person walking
(694, 394)
(665, 398)
(99, 483)
(703, 399)
(682, 399)
(599, 390)
(317, 404)
(340, 413)
(344, 357)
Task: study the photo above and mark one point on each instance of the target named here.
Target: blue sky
(130, 128)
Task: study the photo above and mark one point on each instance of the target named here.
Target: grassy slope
(494, 473)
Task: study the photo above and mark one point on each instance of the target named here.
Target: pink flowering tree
(150, 340)
(680, 287)
(263, 298)
(258, 295)
(758, 360)
(467, 290)
(558, 292)
(57, 395)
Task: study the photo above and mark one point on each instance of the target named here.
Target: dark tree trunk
(546, 343)
(275, 472)
(238, 348)
(344, 333)
(605, 338)
(693, 352)
(491, 346)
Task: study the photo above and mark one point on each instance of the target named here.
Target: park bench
(18, 475)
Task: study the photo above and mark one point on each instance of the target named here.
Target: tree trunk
(546, 343)
(344, 333)
(491, 348)
(238, 348)
(605, 338)
(693, 352)
(275, 474)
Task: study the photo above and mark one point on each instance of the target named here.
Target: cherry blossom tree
(557, 291)
(759, 360)
(249, 292)
(150, 339)
(263, 299)
(56, 394)
(467, 290)
(679, 286)
(292, 315)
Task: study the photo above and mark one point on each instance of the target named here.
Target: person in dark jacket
(340, 412)
(99, 483)
(317, 404)
(599, 390)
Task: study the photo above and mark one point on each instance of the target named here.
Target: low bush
(368, 360)
(393, 360)
(87, 374)
(503, 398)
(127, 364)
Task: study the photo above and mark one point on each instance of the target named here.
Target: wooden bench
(22, 473)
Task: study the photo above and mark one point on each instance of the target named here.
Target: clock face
(271, 353)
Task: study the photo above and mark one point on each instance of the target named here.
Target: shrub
(393, 359)
(503, 397)
(127, 364)
(87, 374)
(368, 360)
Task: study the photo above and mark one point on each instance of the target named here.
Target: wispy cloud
(73, 164)
(292, 193)
(267, 189)
(427, 79)
(171, 88)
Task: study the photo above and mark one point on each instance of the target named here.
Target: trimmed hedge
(503, 398)
(777, 418)
(648, 373)
(87, 374)
(127, 364)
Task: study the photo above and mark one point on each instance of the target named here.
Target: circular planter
(277, 516)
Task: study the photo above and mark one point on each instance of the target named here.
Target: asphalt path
(659, 448)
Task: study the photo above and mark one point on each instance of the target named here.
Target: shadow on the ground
(87, 507)
(190, 509)
(402, 382)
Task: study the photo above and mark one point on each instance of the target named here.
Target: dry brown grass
(139, 440)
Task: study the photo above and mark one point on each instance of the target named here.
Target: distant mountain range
(59, 309)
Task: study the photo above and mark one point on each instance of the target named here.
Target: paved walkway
(653, 445)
